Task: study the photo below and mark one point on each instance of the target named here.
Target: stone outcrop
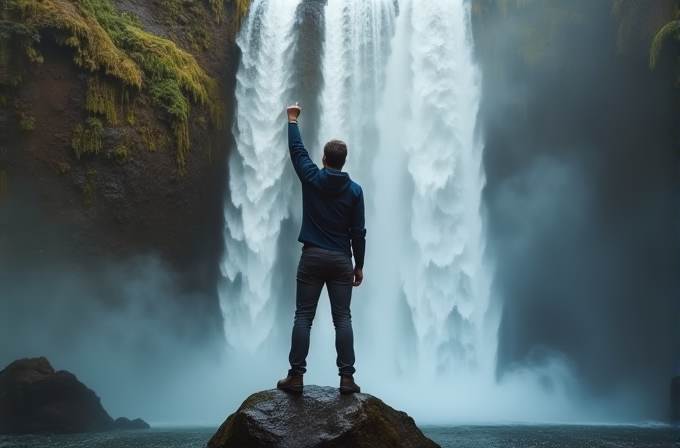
(318, 418)
(34, 398)
(123, 423)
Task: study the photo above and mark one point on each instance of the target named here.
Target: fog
(582, 179)
(580, 212)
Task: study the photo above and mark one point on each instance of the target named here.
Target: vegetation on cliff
(670, 29)
(126, 61)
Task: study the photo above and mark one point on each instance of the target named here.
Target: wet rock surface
(321, 418)
(35, 398)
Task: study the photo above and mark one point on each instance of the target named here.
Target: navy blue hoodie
(332, 204)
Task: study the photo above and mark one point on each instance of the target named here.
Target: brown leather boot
(348, 386)
(291, 383)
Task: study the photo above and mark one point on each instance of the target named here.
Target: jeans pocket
(309, 267)
(343, 269)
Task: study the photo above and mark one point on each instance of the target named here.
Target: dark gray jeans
(334, 269)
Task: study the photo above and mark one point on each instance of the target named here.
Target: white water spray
(357, 41)
(427, 130)
(403, 92)
(260, 193)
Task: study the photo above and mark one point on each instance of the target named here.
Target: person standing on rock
(333, 229)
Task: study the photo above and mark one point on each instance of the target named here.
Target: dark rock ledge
(319, 418)
(34, 399)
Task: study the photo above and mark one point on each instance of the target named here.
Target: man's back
(333, 220)
(332, 204)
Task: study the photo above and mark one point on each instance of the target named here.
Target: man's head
(334, 154)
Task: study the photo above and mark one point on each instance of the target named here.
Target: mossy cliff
(113, 125)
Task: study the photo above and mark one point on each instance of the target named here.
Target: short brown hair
(336, 153)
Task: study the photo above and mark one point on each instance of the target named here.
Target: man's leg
(340, 294)
(308, 290)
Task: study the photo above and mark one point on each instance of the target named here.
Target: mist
(581, 198)
(580, 213)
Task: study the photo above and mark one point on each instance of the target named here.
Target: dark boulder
(127, 424)
(675, 400)
(34, 398)
(320, 418)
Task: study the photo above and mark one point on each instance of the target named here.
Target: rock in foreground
(34, 398)
(319, 418)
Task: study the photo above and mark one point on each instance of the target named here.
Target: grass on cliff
(115, 44)
(240, 7)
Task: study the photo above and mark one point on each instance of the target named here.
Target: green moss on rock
(115, 44)
(87, 139)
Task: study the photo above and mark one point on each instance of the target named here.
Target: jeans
(334, 269)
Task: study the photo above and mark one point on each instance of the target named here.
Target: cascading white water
(401, 88)
(403, 91)
(260, 193)
(357, 41)
(413, 121)
(427, 126)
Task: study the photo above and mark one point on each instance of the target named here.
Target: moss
(199, 38)
(101, 99)
(79, 28)
(201, 122)
(63, 168)
(89, 189)
(383, 432)
(27, 123)
(87, 139)
(122, 153)
(153, 138)
(240, 10)
(15, 38)
(115, 44)
(670, 29)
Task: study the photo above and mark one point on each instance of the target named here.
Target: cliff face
(95, 166)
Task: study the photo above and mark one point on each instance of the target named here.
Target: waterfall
(429, 182)
(260, 194)
(357, 42)
(401, 88)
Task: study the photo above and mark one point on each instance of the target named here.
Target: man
(332, 229)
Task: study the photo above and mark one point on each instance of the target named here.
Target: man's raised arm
(304, 167)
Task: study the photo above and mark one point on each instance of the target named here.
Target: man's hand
(293, 112)
(358, 276)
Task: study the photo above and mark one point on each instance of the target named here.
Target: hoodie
(332, 204)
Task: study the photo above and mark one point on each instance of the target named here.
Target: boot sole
(293, 389)
(348, 390)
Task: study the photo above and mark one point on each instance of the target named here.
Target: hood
(333, 183)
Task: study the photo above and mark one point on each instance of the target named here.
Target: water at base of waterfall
(486, 436)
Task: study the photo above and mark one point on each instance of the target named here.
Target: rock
(127, 424)
(675, 400)
(320, 417)
(34, 398)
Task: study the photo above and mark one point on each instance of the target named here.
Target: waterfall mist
(522, 227)
(582, 197)
(400, 84)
